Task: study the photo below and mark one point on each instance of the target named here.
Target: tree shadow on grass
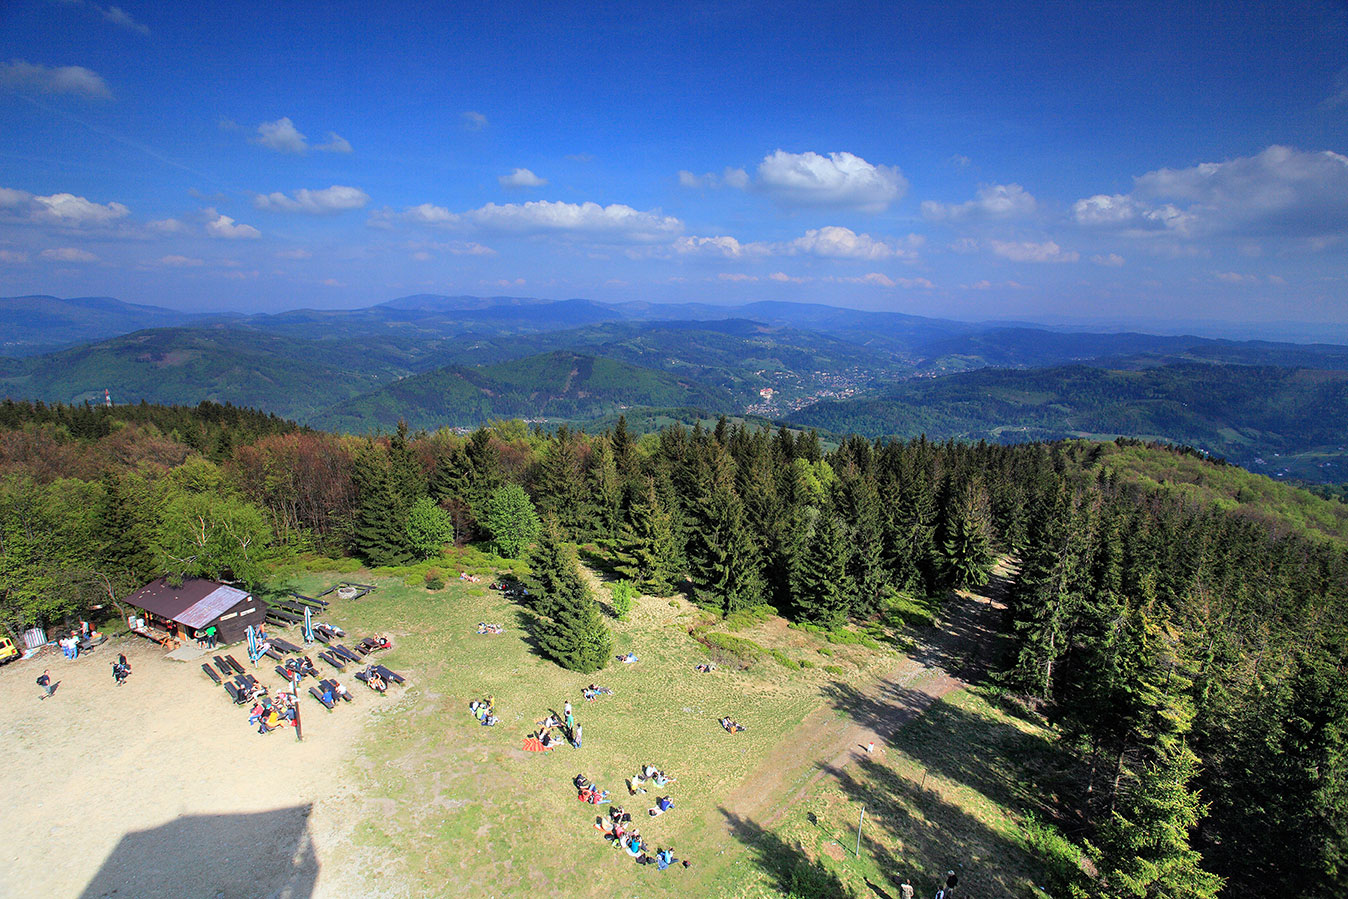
(793, 873)
(968, 638)
(1018, 770)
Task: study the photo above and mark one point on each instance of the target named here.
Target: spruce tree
(823, 589)
(726, 566)
(571, 629)
(649, 551)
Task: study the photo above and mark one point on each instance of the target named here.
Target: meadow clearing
(407, 795)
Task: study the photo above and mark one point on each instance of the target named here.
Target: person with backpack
(45, 682)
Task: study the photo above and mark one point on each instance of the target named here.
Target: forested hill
(1248, 414)
(1185, 638)
(556, 386)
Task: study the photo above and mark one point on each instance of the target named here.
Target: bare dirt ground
(858, 715)
(160, 788)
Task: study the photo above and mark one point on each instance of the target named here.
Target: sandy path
(854, 715)
(160, 787)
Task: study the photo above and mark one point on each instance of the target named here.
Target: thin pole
(299, 731)
(860, 821)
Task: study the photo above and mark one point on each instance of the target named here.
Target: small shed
(196, 604)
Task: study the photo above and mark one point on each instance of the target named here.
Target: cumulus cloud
(1027, 251)
(543, 217)
(521, 178)
(839, 180)
(879, 279)
(219, 225)
(1235, 278)
(1109, 260)
(836, 242)
(993, 201)
(281, 136)
(328, 201)
(473, 121)
(727, 247)
(62, 209)
(13, 257)
(27, 77)
(453, 247)
(175, 261)
(297, 253)
(1279, 192)
(67, 254)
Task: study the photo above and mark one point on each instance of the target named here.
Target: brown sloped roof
(186, 603)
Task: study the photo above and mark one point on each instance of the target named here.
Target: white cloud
(474, 121)
(336, 144)
(218, 225)
(422, 256)
(453, 247)
(63, 209)
(13, 257)
(1027, 251)
(993, 201)
(331, 282)
(727, 247)
(736, 276)
(731, 177)
(24, 76)
(119, 16)
(542, 217)
(175, 261)
(67, 254)
(521, 178)
(1279, 192)
(281, 136)
(836, 242)
(1235, 278)
(784, 278)
(839, 180)
(328, 201)
(879, 279)
(1109, 260)
(297, 253)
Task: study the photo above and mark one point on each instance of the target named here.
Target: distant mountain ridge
(35, 324)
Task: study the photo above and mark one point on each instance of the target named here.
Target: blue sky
(1122, 161)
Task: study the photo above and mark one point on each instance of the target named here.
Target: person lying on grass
(628, 658)
(707, 668)
(592, 692)
(731, 727)
(662, 805)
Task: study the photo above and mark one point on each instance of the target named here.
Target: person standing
(210, 637)
(951, 881)
(566, 708)
(45, 682)
(577, 736)
(906, 889)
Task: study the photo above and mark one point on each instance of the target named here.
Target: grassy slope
(1229, 488)
(448, 807)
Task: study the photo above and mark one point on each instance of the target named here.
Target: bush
(742, 618)
(783, 659)
(435, 579)
(623, 596)
(833, 669)
(726, 649)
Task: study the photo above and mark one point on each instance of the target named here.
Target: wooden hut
(195, 605)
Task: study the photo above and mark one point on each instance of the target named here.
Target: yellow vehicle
(8, 651)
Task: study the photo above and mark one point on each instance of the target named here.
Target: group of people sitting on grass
(484, 710)
(269, 714)
(706, 669)
(592, 692)
(617, 829)
(568, 730)
(485, 628)
(731, 726)
(648, 774)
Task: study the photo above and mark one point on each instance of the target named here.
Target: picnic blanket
(533, 744)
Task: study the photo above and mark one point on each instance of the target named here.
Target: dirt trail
(856, 714)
